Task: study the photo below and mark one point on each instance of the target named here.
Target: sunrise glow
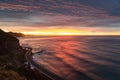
(63, 31)
(72, 17)
(60, 39)
(66, 32)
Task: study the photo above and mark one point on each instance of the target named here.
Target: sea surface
(78, 57)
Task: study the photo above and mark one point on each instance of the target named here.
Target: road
(39, 67)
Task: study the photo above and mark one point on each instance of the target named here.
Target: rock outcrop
(12, 58)
(8, 43)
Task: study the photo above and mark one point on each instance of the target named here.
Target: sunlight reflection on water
(79, 58)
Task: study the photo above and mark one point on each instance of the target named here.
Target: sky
(61, 17)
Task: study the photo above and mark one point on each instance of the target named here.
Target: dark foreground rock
(8, 43)
(12, 58)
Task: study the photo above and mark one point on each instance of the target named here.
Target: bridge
(47, 74)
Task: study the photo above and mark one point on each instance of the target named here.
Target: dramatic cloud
(56, 13)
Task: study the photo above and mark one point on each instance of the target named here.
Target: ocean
(78, 57)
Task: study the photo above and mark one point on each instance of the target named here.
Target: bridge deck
(47, 74)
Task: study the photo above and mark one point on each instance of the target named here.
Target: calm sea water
(78, 58)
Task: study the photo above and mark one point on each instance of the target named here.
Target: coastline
(40, 69)
(12, 59)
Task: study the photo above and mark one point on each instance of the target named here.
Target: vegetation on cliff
(12, 58)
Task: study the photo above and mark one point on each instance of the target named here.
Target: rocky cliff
(12, 57)
(8, 43)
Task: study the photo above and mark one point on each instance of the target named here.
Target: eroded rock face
(8, 43)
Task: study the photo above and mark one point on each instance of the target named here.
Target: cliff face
(8, 43)
(12, 57)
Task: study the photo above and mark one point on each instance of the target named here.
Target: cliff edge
(12, 57)
(8, 43)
